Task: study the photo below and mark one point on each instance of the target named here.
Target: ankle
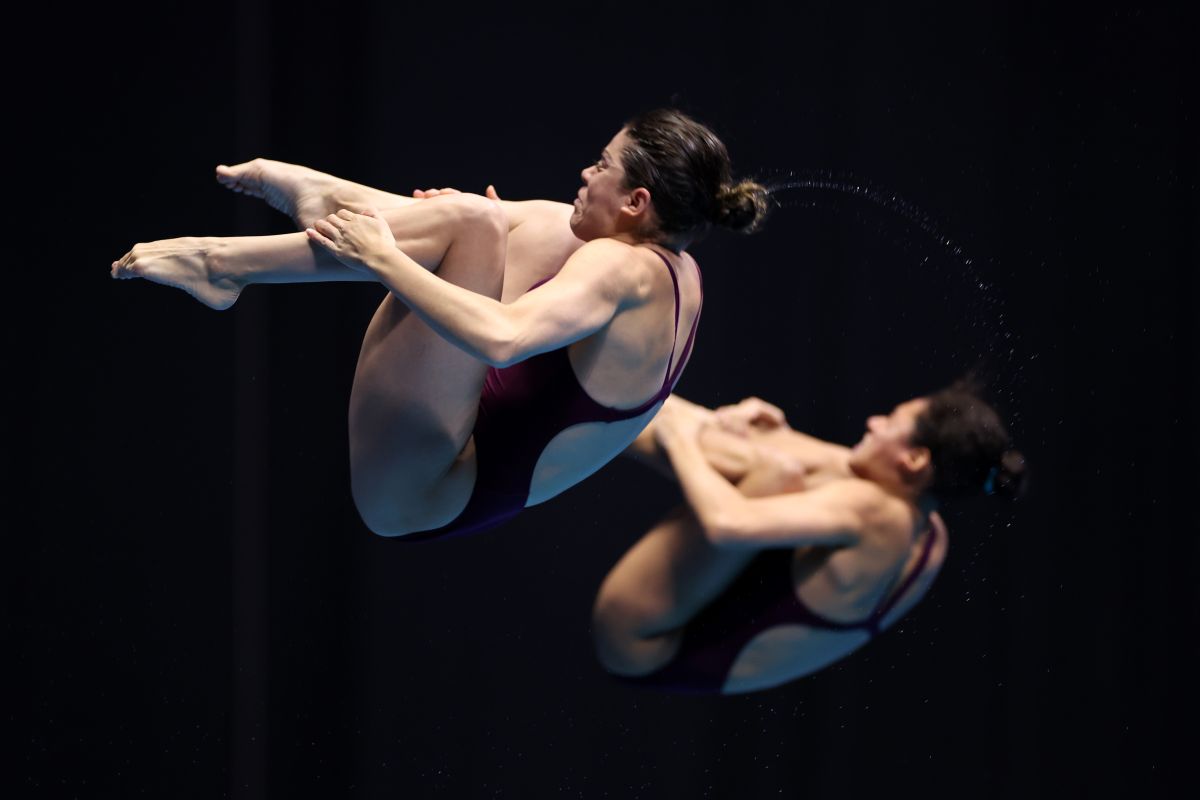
(216, 253)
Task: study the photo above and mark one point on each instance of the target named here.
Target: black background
(192, 605)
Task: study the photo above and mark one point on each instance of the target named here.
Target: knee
(393, 516)
(478, 215)
(379, 519)
(615, 636)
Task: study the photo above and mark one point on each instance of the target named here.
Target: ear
(637, 203)
(916, 463)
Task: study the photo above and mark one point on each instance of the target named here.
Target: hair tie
(989, 483)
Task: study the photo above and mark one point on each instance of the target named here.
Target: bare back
(844, 587)
(620, 366)
(841, 585)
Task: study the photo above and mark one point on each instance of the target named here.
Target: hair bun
(1010, 477)
(741, 206)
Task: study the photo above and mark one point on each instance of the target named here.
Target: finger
(371, 211)
(761, 406)
(419, 193)
(770, 412)
(327, 228)
(346, 214)
(491, 192)
(731, 421)
(315, 236)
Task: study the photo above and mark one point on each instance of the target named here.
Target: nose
(874, 422)
(587, 172)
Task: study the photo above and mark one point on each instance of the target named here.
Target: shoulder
(878, 514)
(632, 270)
(686, 258)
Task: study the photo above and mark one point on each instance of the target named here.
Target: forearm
(712, 497)
(777, 514)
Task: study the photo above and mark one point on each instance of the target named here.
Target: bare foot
(303, 194)
(184, 263)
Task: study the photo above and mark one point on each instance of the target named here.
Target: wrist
(379, 259)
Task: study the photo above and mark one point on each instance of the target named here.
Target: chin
(582, 231)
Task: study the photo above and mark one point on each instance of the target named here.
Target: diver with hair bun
(521, 345)
(790, 552)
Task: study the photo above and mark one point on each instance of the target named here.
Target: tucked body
(600, 296)
(791, 552)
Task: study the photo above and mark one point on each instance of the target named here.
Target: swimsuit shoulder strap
(890, 600)
(675, 368)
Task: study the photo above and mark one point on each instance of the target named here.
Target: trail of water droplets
(985, 308)
(999, 353)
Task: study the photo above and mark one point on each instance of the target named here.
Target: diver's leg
(215, 270)
(667, 577)
(304, 194)
(732, 455)
(415, 395)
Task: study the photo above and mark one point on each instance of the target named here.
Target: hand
(677, 421)
(751, 413)
(425, 194)
(353, 238)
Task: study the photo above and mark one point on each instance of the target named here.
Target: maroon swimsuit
(761, 597)
(522, 408)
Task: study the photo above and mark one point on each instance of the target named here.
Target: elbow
(501, 346)
(723, 530)
(510, 339)
(502, 353)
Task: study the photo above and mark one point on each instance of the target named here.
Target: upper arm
(830, 515)
(597, 281)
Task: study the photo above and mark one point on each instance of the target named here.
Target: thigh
(415, 398)
(654, 590)
(669, 576)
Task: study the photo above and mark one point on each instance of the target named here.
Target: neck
(676, 245)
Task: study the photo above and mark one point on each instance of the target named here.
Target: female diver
(501, 369)
(791, 552)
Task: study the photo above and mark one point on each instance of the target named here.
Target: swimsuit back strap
(675, 334)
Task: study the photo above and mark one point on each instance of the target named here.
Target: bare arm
(833, 515)
(731, 454)
(598, 280)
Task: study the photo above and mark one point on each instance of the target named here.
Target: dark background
(193, 607)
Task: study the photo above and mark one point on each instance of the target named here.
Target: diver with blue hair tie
(791, 552)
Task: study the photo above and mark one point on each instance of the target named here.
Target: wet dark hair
(686, 169)
(968, 444)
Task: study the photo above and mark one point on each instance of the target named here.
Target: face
(598, 206)
(889, 437)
